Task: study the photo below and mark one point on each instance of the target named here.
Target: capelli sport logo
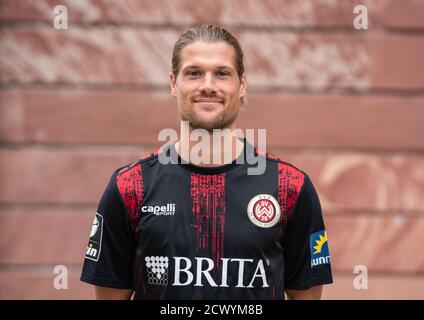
(94, 246)
(167, 210)
(319, 248)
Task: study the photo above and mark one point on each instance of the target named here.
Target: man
(195, 230)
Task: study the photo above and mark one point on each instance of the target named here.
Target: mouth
(208, 102)
(208, 106)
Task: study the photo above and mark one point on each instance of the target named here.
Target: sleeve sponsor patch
(94, 246)
(319, 248)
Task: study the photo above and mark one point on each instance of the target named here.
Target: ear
(173, 84)
(243, 86)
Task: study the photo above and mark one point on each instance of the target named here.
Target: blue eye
(193, 73)
(222, 73)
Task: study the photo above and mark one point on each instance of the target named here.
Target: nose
(208, 84)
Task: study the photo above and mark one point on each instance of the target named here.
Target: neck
(208, 148)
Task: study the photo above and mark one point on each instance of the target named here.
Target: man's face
(208, 88)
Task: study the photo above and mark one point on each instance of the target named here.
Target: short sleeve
(306, 251)
(111, 247)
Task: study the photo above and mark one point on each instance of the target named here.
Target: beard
(224, 118)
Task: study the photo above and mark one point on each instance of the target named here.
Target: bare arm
(104, 293)
(313, 293)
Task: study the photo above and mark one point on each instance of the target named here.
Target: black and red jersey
(179, 231)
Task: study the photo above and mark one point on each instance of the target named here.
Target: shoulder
(292, 184)
(287, 172)
(134, 169)
(129, 184)
(129, 178)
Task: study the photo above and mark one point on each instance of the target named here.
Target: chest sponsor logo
(166, 210)
(157, 270)
(319, 248)
(94, 246)
(264, 211)
(197, 272)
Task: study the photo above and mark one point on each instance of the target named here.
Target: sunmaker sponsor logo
(167, 210)
(319, 248)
